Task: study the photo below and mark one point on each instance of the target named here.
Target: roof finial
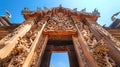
(38, 9)
(60, 5)
(45, 8)
(9, 14)
(75, 9)
(83, 10)
(95, 12)
(25, 10)
(113, 17)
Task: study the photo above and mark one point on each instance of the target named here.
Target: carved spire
(113, 17)
(25, 10)
(45, 8)
(38, 9)
(60, 5)
(75, 9)
(83, 10)
(95, 12)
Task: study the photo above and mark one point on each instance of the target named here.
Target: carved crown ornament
(46, 12)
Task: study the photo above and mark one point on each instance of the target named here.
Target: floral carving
(60, 22)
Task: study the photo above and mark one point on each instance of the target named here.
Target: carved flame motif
(59, 22)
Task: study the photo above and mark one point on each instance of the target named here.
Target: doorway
(55, 51)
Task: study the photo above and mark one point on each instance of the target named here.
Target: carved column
(110, 44)
(80, 55)
(43, 43)
(89, 59)
(11, 39)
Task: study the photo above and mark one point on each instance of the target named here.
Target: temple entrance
(59, 29)
(59, 59)
(57, 46)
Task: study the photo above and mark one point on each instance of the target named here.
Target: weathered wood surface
(10, 44)
(110, 44)
(90, 60)
(6, 30)
(29, 58)
(80, 55)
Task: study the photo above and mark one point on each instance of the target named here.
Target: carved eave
(69, 12)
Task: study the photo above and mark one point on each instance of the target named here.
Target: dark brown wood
(73, 59)
(46, 59)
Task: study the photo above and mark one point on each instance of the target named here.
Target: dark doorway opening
(57, 49)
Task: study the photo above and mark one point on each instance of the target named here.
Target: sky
(59, 60)
(106, 8)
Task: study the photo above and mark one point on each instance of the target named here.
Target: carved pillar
(110, 44)
(89, 59)
(43, 43)
(46, 59)
(73, 59)
(11, 39)
(81, 58)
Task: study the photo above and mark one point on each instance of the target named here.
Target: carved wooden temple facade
(60, 29)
